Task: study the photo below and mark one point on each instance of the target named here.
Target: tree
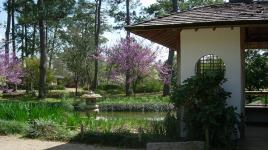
(11, 71)
(123, 18)
(7, 33)
(129, 55)
(170, 60)
(97, 35)
(256, 70)
(43, 53)
(81, 37)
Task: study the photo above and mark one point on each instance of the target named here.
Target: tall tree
(127, 84)
(7, 36)
(123, 16)
(97, 37)
(43, 53)
(13, 29)
(79, 41)
(170, 60)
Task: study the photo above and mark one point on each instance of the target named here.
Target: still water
(133, 115)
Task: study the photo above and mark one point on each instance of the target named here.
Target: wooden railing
(260, 94)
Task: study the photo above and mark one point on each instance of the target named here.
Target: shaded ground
(256, 138)
(17, 143)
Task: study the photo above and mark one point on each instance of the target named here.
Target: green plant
(111, 89)
(47, 129)
(207, 115)
(56, 87)
(12, 127)
(149, 85)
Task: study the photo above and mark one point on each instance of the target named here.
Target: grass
(135, 100)
(260, 100)
(27, 112)
(54, 119)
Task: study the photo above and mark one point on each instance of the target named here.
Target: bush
(56, 94)
(56, 87)
(12, 95)
(12, 127)
(111, 89)
(46, 129)
(207, 115)
(149, 86)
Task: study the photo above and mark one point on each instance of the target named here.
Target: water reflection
(156, 116)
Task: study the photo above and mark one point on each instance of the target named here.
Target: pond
(132, 115)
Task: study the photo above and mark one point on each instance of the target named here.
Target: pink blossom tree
(10, 69)
(164, 72)
(130, 58)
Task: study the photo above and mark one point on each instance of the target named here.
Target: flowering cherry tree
(10, 69)
(164, 72)
(130, 59)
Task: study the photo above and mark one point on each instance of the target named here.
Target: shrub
(56, 87)
(111, 89)
(56, 94)
(149, 85)
(12, 95)
(12, 127)
(46, 129)
(32, 73)
(207, 115)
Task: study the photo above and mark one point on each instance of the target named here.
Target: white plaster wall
(223, 42)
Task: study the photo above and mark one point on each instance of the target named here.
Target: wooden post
(181, 109)
(243, 103)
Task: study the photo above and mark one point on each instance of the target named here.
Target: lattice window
(210, 63)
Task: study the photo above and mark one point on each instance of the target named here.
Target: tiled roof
(213, 15)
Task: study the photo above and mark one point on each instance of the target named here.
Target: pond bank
(136, 107)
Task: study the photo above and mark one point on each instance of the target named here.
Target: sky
(112, 36)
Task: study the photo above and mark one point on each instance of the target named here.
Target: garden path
(17, 143)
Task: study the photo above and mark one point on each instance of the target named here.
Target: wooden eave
(165, 30)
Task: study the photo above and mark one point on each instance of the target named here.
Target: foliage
(47, 129)
(32, 73)
(164, 7)
(23, 111)
(12, 127)
(149, 85)
(164, 72)
(117, 10)
(10, 69)
(110, 89)
(130, 56)
(207, 115)
(256, 70)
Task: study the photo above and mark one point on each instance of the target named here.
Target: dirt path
(17, 143)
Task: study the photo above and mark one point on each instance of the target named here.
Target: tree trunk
(13, 31)
(76, 84)
(26, 41)
(43, 53)
(7, 31)
(34, 40)
(127, 84)
(51, 54)
(22, 44)
(97, 35)
(166, 88)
